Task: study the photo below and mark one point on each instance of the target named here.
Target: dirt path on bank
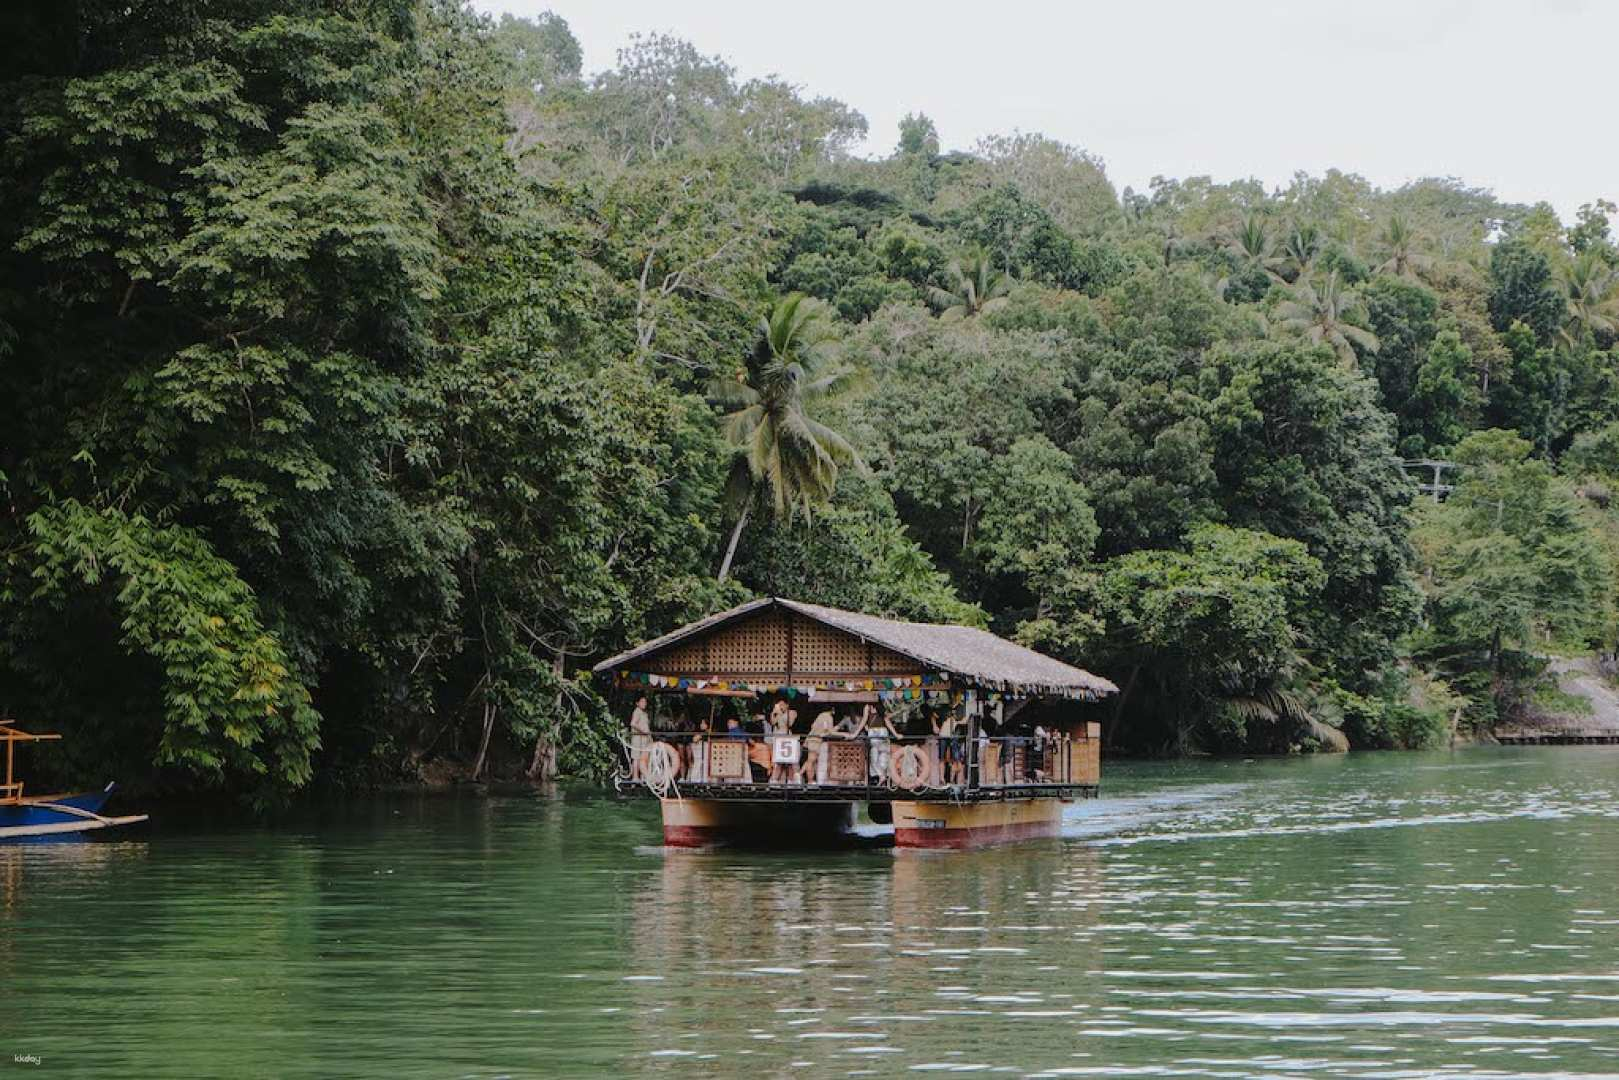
(1580, 677)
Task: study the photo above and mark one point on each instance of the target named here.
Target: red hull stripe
(976, 837)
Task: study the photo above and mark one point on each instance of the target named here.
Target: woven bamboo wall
(1085, 761)
(727, 759)
(774, 643)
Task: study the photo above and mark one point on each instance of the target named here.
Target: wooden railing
(842, 762)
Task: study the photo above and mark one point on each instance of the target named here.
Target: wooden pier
(1558, 738)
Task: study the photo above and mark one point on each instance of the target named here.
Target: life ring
(662, 765)
(908, 765)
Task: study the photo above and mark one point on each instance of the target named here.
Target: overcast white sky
(1521, 97)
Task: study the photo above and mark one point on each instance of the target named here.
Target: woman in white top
(1037, 753)
(879, 730)
(952, 748)
(780, 723)
(640, 738)
(697, 770)
(815, 745)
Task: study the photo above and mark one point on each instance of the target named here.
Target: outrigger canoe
(23, 816)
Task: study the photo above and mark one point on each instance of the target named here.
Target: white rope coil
(662, 765)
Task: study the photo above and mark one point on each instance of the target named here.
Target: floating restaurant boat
(957, 736)
(28, 816)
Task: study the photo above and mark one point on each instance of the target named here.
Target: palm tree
(1253, 245)
(1301, 248)
(1591, 293)
(781, 448)
(1175, 242)
(976, 287)
(1400, 242)
(1321, 315)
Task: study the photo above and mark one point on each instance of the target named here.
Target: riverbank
(1582, 702)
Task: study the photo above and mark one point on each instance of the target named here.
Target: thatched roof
(970, 655)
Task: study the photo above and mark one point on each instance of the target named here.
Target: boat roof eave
(1045, 675)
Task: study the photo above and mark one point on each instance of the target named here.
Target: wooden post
(792, 623)
(972, 745)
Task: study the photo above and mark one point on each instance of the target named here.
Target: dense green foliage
(368, 369)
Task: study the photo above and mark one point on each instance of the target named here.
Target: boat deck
(852, 793)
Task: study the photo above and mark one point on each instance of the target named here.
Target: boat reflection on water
(58, 859)
(814, 954)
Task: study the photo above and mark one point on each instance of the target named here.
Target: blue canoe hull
(59, 817)
(40, 813)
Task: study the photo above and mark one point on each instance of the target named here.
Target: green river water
(1376, 915)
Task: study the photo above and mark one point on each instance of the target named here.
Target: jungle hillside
(368, 370)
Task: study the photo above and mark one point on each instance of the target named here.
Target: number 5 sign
(784, 750)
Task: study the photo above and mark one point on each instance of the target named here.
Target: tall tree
(541, 53)
(1524, 289)
(1402, 254)
(1251, 241)
(1300, 250)
(1510, 560)
(1591, 287)
(1222, 619)
(918, 137)
(1322, 315)
(785, 453)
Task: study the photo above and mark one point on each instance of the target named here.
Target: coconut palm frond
(1360, 336)
(1591, 299)
(1301, 248)
(1322, 316)
(975, 286)
(1270, 704)
(785, 453)
(1402, 249)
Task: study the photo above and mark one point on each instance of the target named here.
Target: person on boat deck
(1037, 753)
(916, 728)
(823, 727)
(780, 724)
(950, 728)
(994, 753)
(759, 764)
(850, 726)
(915, 723)
(640, 738)
(697, 749)
(879, 730)
(737, 729)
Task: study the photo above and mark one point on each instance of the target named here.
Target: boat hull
(955, 826)
(37, 811)
(47, 816)
(705, 822)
